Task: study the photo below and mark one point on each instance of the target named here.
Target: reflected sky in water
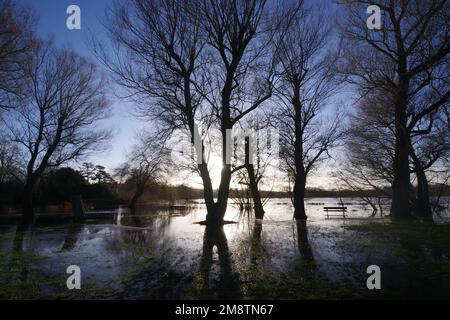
(165, 254)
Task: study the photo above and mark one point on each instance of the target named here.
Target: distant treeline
(58, 186)
(99, 190)
(170, 192)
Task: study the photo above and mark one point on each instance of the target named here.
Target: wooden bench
(342, 211)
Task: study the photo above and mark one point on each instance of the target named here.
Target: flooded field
(166, 254)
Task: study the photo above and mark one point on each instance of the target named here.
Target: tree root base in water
(206, 223)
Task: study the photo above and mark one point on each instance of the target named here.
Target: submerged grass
(421, 269)
(424, 234)
(414, 258)
(289, 285)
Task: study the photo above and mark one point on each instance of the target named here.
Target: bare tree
(200, 63)
(305, 89)
(250, 178)
(254, 176)
(258, 146)
(158, 54)
(241, 73)
(145, 166)
(16, 42)
(9, 161)
(366, 167)
(370, 142)
(59, 122)
(429, 147)
(407, 58)
(358, 182)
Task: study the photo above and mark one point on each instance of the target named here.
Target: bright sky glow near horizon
(52, 24)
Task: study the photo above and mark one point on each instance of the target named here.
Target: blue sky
(52, 23)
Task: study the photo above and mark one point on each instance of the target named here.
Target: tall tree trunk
(132, 204)
(217, 215)
(77, 208)
(257, 204)
(27, 202)
(300, 174)
(137, 194)
(299, 197)
(400, 207)
(423, 205)
(202, 166)
(208, 192)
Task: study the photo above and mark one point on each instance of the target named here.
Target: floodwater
(166, 254)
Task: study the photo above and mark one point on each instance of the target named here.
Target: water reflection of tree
(307, 264)
(228, 285)
(72, 236)
(419, 276)
(18, 270)
(139, 237)
(134, 236)
(257, 249)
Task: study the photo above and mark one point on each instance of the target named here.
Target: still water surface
(166, 254)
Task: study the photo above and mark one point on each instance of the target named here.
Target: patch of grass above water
(434, 236)
(32, 285)
(288, 285)
(7, 235)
